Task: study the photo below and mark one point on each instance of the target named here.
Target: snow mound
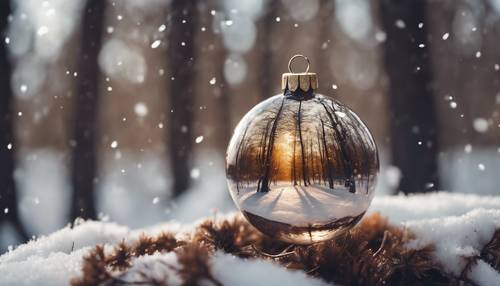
(458, 225)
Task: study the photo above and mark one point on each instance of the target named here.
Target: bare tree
(8, 198)
(268, 166)
(261, 157)
(340, 133)
(84, 172)
(327, 156)
(294, 161)
(413, 117)
(238, 160)
(181, 59)
(305, 177)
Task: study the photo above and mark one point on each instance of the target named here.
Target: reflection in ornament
(301, 166)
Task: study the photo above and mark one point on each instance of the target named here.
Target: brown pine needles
(372, 253)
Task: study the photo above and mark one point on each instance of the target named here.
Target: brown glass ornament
(301, 166)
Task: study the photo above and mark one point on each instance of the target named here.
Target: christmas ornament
(301, 166)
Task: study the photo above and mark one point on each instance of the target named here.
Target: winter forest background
(122, 110)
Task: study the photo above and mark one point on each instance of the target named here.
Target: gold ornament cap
(305, 80)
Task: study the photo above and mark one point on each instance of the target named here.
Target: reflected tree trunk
(238, 166)
(263, 151)
(305, 178)
(294, 161)
(181, 59)
(311, 161)
(413, 117)
(341, 137)
(327, 156)
(268, 166)
(8, 190)
(84, 172)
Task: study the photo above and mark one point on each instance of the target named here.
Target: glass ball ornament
(301, 166)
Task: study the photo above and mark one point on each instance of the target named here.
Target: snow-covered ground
(301, 206)
(457, 224)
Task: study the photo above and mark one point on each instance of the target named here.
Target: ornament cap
(305, 80)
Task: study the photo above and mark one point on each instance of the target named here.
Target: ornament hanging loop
(296, 57)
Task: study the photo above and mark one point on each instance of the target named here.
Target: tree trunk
(223, 97)
(305, 177)
(268, 166)
(84, 173)
(327, 156)
(265, 41)
(413, 117)
(8, 198)
(238, 164)
(294, 161)
(181, 58)
(342, 140)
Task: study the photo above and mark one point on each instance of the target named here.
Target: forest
(109, 107)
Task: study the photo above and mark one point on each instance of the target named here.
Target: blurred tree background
(122, 110)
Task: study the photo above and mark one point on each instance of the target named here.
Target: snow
(354, 18)
(235, 69)
(122, 62)
(456, 237)
(480, 125)
(227, 269)
(484, 274)
(67, 240)
(460, 171)
(459, 225)
(302, 205)
(235, 271)
(55, 269)
(434, 205)
(154, 266)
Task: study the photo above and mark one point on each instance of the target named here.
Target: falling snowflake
(195, 173)
(42, 31)
(480, 125)
(468, 148)
(141, 109)
(400, 24)
(155, 44)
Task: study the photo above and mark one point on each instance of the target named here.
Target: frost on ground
(458, 225)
